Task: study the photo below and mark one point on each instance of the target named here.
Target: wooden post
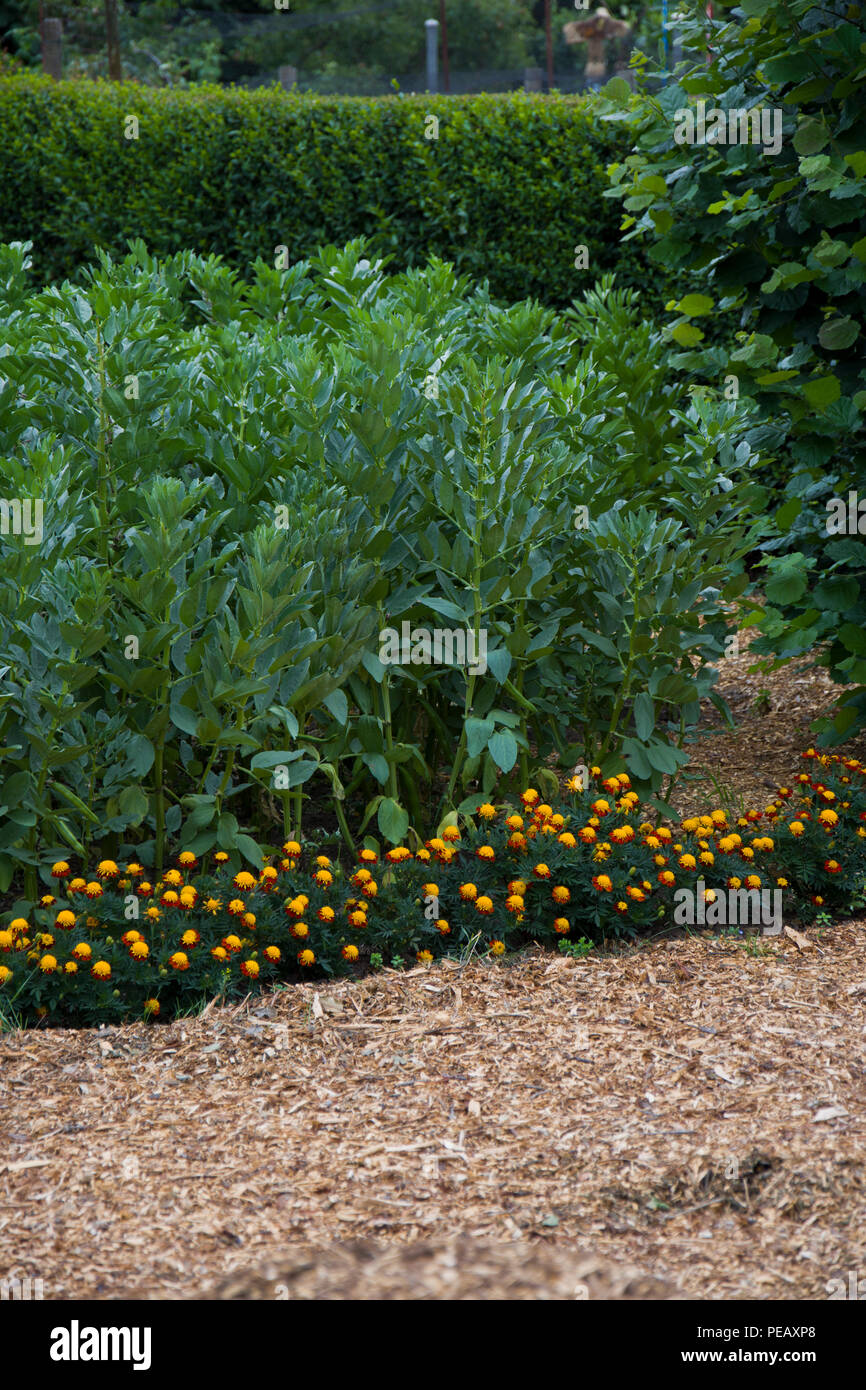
(52, 47)
(548, 43)
(112, 38)
(443, 27)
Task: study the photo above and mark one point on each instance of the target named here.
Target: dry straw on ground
(688, 1109)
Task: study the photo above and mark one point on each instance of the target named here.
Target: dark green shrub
(506, 191)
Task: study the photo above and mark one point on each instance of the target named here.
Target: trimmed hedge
(506, 192)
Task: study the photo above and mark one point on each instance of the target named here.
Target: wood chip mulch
(692, 1109)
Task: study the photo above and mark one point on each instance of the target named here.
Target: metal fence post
(431, 27)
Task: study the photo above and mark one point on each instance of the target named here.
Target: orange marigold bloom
(186, 858)
(602, 884)
(107, 869)
(484, 904)
(442, 926)
(451, 833)
(180, 960)
(497, 948)
(232, 943)
(424, 957)
(64, 920)
(666, 877)
(567, 839)
(350, 952)
(517, 841)
(541, 871)
(82, 950)
(170, 898)
(244, 881)
(139, 950)
(93, 890)
(325, 914)
(70, 968)
(561, 925)
(486, 811)
(151, 1006)
(219, 953)
(273, 953)
(60, 869)
(48, 965)
(514, 822)
(529, 797)
(190, 938)
(300, 930)
(486, 852)
(306, 957)
(324, 878)
(514, 903)
(101, 969)
(468, 892)
(292, 847)
(250, 968)
(368, 856)
(561, 894)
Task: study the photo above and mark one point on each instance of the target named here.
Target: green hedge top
(506, 187)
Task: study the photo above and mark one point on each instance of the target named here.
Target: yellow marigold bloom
(273, 953)
(249, 919)
(561, 894)
(602, 883)
(130, 936)
(151, 1006)
(93, 890)
(5, 974)
(399, 854)
(486, 811)
(44, 939)
(221, 857)
(718, 817)
(237, 906)
(325, 914)
(60, 869)
(292, 847)
(517, 885)
(667, 878)
(828, 817)
(664, 834)
(70, 968)
(601, 807)
(436, 844)
(588, 834)
(567, 839)
(561, 925)
(727, 843)
(781, 882)
(107, 868)
(350, 952)
(753, 881)
(430, 890)
(220, 953)
(324, 878)
(734, 882)
(514, 822)
(574, 784)
(76, 885)
(517, 841)
(424, 957)
(637, 893)
(484, 904)
(139, 950)
(362, 876)
(796, 827)
(468, 891)
(687, 861)
(153, 913)
(370, 889)
(190, 938)
(358, 919)
(541, 871)
(268, 874)
(244, 881)
(543, 812)
(173, 878)
(442, 926)
(306, 957)
(188, 895)
(186, 857)
(101, 969)
(447, 854)
(134, 869)
(6, 939)
(707, 857)
(486, 852)
(322, 861)
(232, 943)
(747, 852)
(300, 929)
(250, 968)
(451, 833)
(529, 797)
(171, 899)
(47, 899)
(82, 950)
(691, 824)
(65, 919)
(622, 834)
(180, 960)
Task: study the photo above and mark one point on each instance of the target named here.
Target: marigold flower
(468, 892)
(423, 855)
(5, 974)
(300, 930)
(517, 841)
(399, 854)
(190, 938)
(707, 857)
(76, 885)
(781, 883)
(541, 871)
(170, 899)
(451, 833)
(832, 866)
(370, 889)
(567, 839)
(637, 894)
(497, 948)
(430, 890)
(796, 827)
(621, 834)
(6, 939)
(325, 914)
(82, 950)
(734, 882)
(306, 957)
(666, 877)
(186, 858)
(484, 904)
(818, 900)
(486, 811)
(151, 1006)
(561, 894)
(350, 952)
(828, 817)
(237, 907)
(221, 857)
(442, 926)
(101, 970)
(561, 925)
(93, 890)
(746, 852)
(130, 936)
(602, 884)
(358, 919)
(219, 953)
(250, 968)
(139, 950)
(529, 797)
(232, 942)
(436, 844)
(249, 920)
(621, 906)
(587, 834)
(173, 878)
(687, 861)
(368, 856)
(486, 852)
(514, 903)
(70, 968)
(361, 876)
(324, 878)
(514, 822)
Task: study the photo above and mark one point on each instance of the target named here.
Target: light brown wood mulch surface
(688, 1108)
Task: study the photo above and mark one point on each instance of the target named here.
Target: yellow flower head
(497, 948)
(272, 953)
(139, 950)
(486, 811)
(101, 969)
(350, 952)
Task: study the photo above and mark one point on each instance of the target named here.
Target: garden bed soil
(691, 1109)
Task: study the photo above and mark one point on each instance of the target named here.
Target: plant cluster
(122, 943)
(243, 487)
